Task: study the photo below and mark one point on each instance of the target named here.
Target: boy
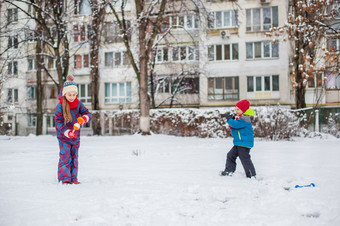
(242, 131)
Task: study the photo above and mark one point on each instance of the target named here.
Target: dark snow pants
(244, 155)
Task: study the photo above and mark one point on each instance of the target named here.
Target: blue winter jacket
(242, 131)
(59, 121)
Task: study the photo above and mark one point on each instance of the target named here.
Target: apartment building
(212, 58)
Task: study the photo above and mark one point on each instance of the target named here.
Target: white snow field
(162, 180)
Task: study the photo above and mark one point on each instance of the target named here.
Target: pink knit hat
(243, 105)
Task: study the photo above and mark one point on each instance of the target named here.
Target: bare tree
(50, 33)
(95, 28)
(149, 17)
(309, 22)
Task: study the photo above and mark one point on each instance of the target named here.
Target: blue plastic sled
(304, 186)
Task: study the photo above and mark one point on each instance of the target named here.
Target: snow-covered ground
(165, 180)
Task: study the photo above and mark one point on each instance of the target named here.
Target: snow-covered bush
(5, 128)
(275, 123)
(269, 122)
(332, 127)
(190, 122)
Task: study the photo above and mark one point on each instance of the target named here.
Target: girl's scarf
(73, 104)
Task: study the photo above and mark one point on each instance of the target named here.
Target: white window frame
(31, 64)
(54, 63)
(87, 91)
(315, 81)
(78, 7)
(262, 83)
(30, 36)
(79, 32)
(175, 21)
(53, 32)
(222, 52)
(14, 93)
(250, 22)
(31, 120)
(122, 95)
(263, 44)
(162, 54)
(233, 20)
(13, 42)
(192, 50)
(333, 81)
(123, 58)
(12, 15)
(13, 68)
(214, 96)
(31, 92)
(82, 61)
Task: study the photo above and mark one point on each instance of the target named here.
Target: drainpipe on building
(317, 127)
(110, 125)
(44, 131)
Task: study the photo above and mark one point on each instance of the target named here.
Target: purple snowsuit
(68, 155)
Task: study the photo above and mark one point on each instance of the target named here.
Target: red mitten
(82, 120)
(71, 134)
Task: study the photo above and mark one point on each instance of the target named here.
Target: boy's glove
(70, 133)
(76, 126)
(230, 116)
(82, 120)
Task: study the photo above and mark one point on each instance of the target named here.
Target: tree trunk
(300, 88)
(95, 39)
(144, 122)
(39, 59)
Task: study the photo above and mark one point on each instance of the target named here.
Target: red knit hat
(243, 105)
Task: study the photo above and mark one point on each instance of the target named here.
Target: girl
(69, 116)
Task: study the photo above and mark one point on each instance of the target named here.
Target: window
(52, 63)
(224, 88)
(162, 55)
(31, 120)
(314, 81)
(53, 31)
(84, 93)
(112, 32)
(82, 7)
(185, 53)
(13, 68)
(12, 96)
(30, 36)
(119, 92)
(81, 61)
(333, 43)
(333, 80)
(13, 42)
(116, 59)
(164, 84)
(263, 83)
(168, 84)
(224, 19)
(50, 121)
(12, 15)
(187, 22)
(189, 85)
(80, 32)
(52, 91)
(261, 19)
(223, 52)
(31, 64)
(31, 92)
(259, 50)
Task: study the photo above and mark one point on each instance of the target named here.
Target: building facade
(211, 58)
